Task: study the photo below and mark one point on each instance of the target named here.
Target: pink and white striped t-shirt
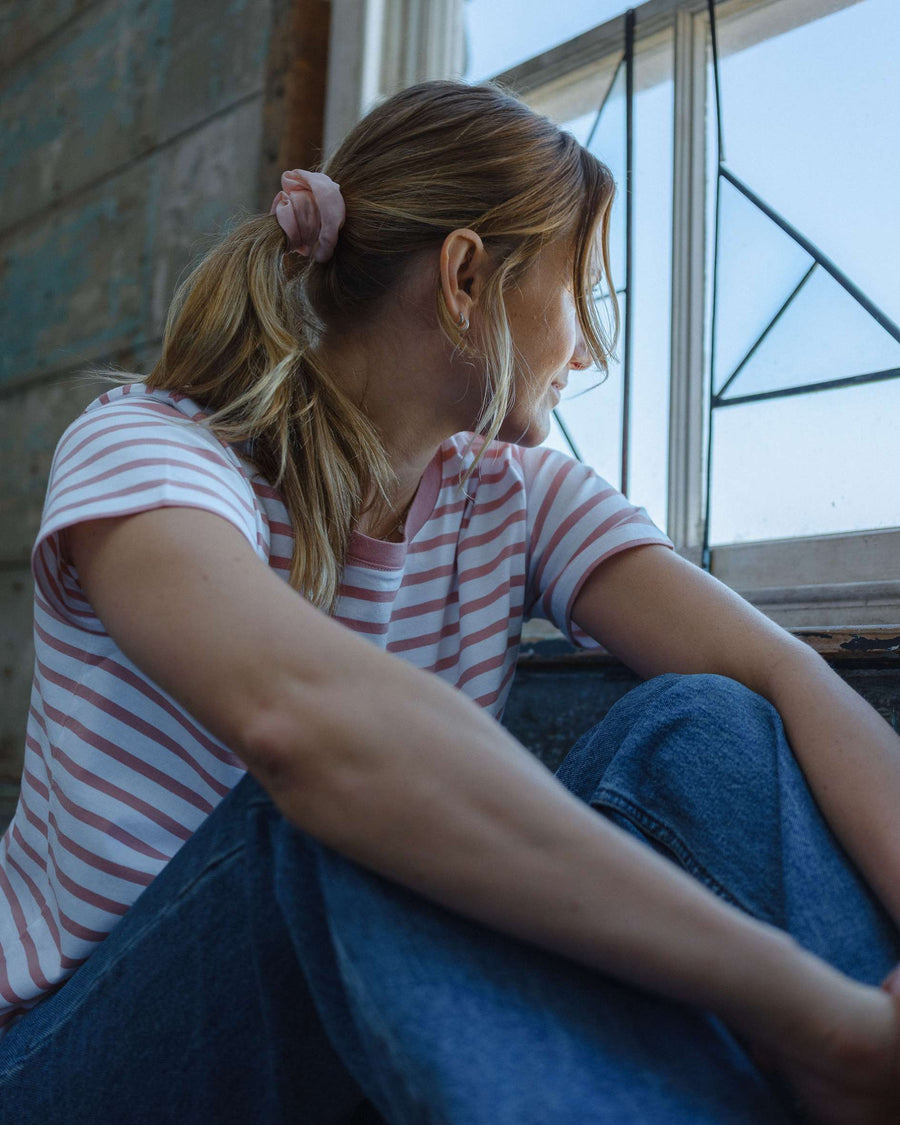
(118, 775)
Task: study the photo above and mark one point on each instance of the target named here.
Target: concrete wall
(132, 132)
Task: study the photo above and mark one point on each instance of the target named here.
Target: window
(795, 495)
(591, 417)
(495, 43)
(804, 128)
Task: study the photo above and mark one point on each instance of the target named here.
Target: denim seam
(399, 1054)
(670, 840)
(37, 1044)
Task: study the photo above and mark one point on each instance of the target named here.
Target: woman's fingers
(891, 982)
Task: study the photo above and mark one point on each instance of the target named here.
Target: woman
(398, 904)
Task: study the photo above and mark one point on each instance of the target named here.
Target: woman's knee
(720, 705)
(709, 725)
(695, 709)
(693, 764)
(701, 693)
(715, 690)
(701, 734)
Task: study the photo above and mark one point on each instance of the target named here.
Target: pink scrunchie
(310, 210)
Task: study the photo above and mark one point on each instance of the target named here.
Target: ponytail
(236, 343)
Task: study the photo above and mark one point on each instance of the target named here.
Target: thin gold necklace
(395, 527)
(398, 526)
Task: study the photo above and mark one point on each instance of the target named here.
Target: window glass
(809, 114)
(758, 267)
(502, 33)
(592, 412)
(811, 121)
(824, 334)
(815, 464)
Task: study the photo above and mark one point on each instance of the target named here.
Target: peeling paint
(125, 78)
(58, 292)
(862, 643)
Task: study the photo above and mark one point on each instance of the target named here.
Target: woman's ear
(464, 271)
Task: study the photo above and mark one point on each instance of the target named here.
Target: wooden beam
(296, 77)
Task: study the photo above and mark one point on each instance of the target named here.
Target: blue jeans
(264, 978)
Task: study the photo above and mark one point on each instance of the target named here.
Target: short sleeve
(575, 520)
(128, 455)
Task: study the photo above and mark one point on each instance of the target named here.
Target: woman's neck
(401, 371)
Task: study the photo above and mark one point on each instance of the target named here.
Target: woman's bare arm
(400, 772)
(851, 758)
(660, 613)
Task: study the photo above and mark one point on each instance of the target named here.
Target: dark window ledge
(560, 692)
(866, 644)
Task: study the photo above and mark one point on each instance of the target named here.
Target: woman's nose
(581, 357)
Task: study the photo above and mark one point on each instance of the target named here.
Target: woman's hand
(855, 1080)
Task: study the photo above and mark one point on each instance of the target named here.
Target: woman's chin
(527, 432)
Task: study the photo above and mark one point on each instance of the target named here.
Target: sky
(811, 121)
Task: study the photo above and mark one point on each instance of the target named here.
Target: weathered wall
(132, 131)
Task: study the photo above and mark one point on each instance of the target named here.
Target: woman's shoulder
(130, 414)
(132, 450)
(136, 438)
(126, 397)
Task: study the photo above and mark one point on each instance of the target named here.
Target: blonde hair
(242, 334)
